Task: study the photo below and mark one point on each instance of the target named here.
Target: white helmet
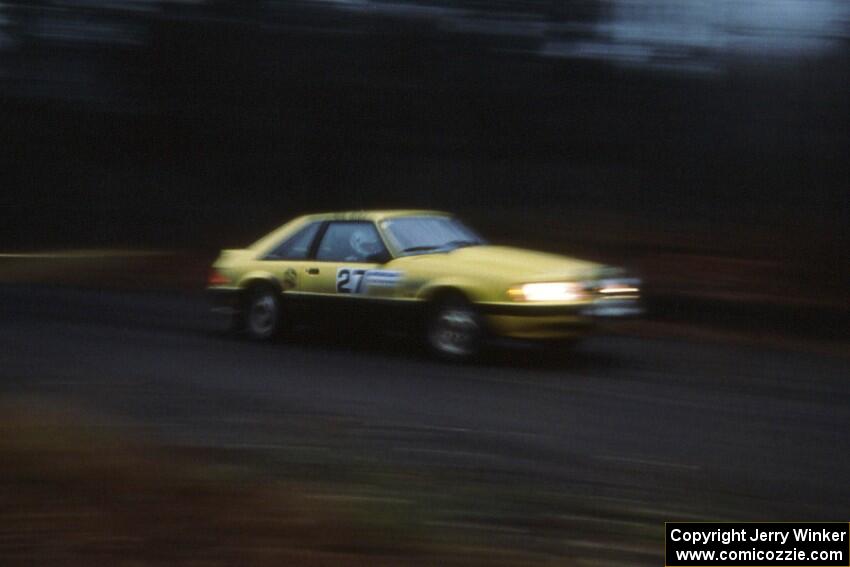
(365, 243)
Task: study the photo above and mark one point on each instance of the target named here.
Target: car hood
(515, 264)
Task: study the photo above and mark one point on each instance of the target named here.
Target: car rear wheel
(454, 329)
(263, 314)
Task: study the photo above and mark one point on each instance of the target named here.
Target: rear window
(297, 246)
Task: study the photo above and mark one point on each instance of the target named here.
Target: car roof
(375, 215)
(372, 216)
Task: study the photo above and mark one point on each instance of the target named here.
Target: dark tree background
(203, 124)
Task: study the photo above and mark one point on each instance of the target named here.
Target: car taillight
(217, 278)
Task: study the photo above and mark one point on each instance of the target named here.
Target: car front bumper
(555, 321)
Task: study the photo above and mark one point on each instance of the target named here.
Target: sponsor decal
(290, 278)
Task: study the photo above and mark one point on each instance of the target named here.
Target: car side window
(350, 242)
(297, 246)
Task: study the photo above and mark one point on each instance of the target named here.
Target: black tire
(454, 329)
(262, 317)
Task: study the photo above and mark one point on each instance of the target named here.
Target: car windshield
(429, 234)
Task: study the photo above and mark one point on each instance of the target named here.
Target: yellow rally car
(383, 269)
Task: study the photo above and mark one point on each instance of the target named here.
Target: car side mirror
(379, 257)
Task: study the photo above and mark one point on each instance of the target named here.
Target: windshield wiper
(453, 244)
(461, 243)
(420, 248)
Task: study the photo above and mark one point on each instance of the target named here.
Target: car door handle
(313, 271)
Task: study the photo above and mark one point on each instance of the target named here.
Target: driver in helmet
(364, 244)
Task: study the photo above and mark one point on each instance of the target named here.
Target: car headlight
(548, 291)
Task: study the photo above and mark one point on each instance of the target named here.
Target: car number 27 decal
(356, 280)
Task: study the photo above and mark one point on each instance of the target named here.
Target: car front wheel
(454, 329)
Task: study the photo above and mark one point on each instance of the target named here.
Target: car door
(348, 251)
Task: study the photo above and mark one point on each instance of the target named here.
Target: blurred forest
(201, 124)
